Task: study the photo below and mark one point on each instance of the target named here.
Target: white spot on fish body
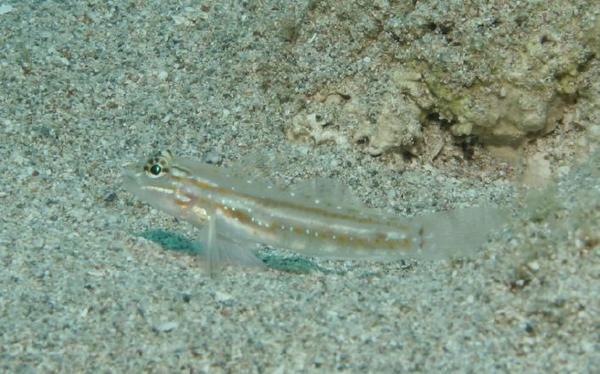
(395, 236)
(182, 197)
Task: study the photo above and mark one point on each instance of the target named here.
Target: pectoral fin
(220, 250)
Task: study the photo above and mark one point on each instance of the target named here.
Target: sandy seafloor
(93, 280)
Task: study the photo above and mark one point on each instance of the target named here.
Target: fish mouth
(131, 176)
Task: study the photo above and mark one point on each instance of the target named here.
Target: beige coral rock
(397, 126)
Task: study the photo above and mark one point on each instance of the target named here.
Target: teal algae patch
(179, 243)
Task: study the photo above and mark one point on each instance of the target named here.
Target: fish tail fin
(458, 233)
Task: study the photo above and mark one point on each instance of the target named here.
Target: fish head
(158, 182)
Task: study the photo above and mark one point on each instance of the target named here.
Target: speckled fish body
(319, 218)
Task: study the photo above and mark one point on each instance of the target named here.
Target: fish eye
(155, 169)
(158, 165)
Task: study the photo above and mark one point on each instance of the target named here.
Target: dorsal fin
(327, 191)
